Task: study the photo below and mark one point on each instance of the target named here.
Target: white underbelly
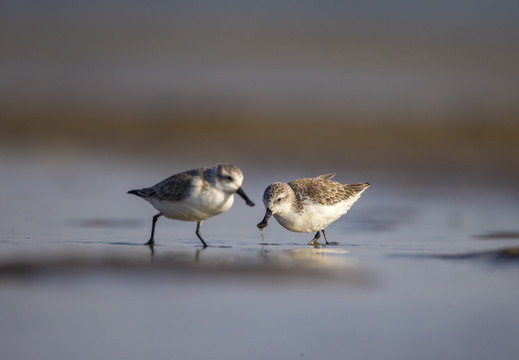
(313, 217)
(194, 208)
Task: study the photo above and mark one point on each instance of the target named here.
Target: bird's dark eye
(229, 178)
(279, 199)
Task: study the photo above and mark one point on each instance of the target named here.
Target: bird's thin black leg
(151, 242)
(314, 240)
(198, 224)
(325, 238)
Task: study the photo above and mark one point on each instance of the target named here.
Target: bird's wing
(323, 191)
(175, 187)
(326, 176)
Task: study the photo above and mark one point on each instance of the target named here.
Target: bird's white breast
(198, 206)
(313, 216)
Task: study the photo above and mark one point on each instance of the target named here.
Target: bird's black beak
(245, 197)
(265, 220)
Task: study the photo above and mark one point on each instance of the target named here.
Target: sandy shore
(471, 151)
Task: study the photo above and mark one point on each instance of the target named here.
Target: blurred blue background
(379, 60)
(387, 85)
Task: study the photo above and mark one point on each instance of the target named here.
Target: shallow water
(97, 99)
(415, 273)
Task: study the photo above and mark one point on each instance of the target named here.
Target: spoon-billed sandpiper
(308, 205)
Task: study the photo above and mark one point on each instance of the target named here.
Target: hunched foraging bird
(194, 195)
(310, 204)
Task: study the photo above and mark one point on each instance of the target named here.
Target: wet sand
(441, 150)
(419, 270)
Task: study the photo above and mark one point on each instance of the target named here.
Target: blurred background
(405, 88)
(420, 98)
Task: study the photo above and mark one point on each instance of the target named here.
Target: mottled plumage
(176, 187)
(195, 195)
(310, 204)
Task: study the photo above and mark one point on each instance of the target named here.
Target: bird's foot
(314, 242)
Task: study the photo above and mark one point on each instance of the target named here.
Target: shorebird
(308, 205)
(194, 195)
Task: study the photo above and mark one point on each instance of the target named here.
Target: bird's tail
(139, 192)
(356, 189)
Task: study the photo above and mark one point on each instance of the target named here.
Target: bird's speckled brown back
(323, 191)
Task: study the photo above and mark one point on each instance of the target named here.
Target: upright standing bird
(194, 195)
(308, 205)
